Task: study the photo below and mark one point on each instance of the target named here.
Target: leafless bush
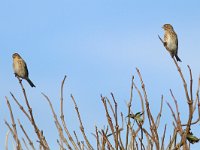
(124, 131)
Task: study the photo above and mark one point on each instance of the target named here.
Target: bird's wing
(25, 67)
(177, 44)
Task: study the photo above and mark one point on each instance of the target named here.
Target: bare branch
(81, 124)
(160, 113)
(14, 126)
(59, 128)
(39, 134)
(129, 111)
(6, 141)
(26, 135)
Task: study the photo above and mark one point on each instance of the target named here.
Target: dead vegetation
(124, 130)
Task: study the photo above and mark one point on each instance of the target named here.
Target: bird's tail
(30, 82)
(177, 58)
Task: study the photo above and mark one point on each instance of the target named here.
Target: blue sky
(98, 45)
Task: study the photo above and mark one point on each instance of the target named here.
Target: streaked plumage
(20, 68)
(171, 41)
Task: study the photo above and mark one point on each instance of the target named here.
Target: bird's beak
(162, 27)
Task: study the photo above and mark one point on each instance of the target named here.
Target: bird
(171, 41)
(20, 68)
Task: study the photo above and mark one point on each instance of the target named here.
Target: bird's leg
(172, 53)
(20, 80)
(165, 44)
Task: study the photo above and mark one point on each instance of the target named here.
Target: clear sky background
(98, 45)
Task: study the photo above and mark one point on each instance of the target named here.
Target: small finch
(20, 68)
(171, 41)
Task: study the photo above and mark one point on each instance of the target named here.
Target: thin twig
(62, 115)
(21, 107)
(58, 126)
(26, 135)
(39, 134)
(77, 141)
(14, 126)
(109, 119)
(163, 138)
(25, 144)
(81, 124)
(129, 110)
(160, 113)
(6, 140)
(150, 117)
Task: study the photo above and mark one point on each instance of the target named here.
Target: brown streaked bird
(20, 68)
(171, 41)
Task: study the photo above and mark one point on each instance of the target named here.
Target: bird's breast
(19, 68)
(171, 43)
